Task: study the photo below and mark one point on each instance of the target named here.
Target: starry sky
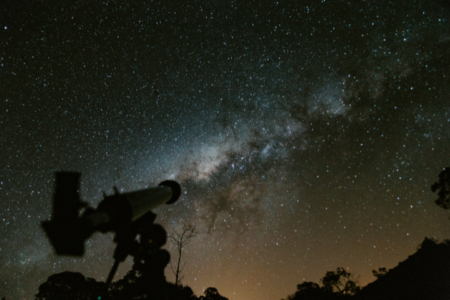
(305, 134)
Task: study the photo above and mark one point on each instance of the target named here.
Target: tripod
(149, 259)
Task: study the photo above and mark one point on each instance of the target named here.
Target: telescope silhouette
(68, 231)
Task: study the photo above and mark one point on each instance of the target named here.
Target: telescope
(68, 231)
(128, 215)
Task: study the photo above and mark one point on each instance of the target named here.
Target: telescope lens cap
(176, 190)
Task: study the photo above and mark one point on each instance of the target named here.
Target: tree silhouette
(379, 273)
(307, 286)
(212, 294)
(310, 290)
(340, 282)
(336, 285)
(186, 293)
(181, 240)
(68, 286)
(443, 185)
(135, 286)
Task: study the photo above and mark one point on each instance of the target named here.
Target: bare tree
(181, 240)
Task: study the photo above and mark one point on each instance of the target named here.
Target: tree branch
(181, 240)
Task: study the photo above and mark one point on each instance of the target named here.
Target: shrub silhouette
(212, 294)
(68, 286)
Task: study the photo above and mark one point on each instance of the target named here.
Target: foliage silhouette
(307, 286)
(69, 285)
(310, 290)
(379, 273)
(212, 294)
(443, 185)
(340, 282)
(337, 284)
(134, 285)
(186, 293)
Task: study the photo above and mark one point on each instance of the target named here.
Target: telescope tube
(119, 210)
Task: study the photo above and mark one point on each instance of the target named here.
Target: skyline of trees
(335, 285)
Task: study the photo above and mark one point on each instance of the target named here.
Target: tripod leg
(110, 278)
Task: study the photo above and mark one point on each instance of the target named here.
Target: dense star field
(305, 134)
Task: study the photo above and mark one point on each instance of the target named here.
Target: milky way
(306, 135)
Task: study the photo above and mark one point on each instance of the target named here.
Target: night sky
(305, 134)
